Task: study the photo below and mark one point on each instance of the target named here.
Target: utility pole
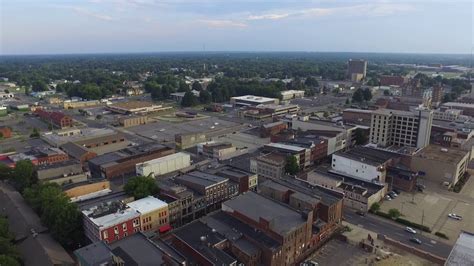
(422, 218)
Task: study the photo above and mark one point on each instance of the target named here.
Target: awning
(165, 228)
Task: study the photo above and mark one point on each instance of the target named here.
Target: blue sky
(92, 26)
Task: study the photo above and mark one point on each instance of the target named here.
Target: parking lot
(336, 252)
(431, 208)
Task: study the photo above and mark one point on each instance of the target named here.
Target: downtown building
(401, 128)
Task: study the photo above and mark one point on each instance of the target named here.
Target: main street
(396, 231)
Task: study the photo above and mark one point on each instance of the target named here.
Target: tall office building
(401, 128)
(356, 69)
(437, 95)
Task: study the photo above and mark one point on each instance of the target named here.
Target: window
(116, 231)
(105, 234)
(124, 227)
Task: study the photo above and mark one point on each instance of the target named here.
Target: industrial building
(131, 121)
(122, 163)
(136, 107)
(61, 173)
(164, 165)
(56, 119)
(440, 164)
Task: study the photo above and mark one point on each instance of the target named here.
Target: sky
(122, 26)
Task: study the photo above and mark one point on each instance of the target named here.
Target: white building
(362, 163)
(250, 100)
(291, 94)
(401, 128)
(164, 165)
(447, 115)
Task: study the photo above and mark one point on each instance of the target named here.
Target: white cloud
(89, 13)
(223, 23)
(374, 9)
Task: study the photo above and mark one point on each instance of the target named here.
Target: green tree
(8, 261)
(189, 99)
(358, 96)
(35, 133)
(141, 186)
(375, 207)
(291, 166)
(348, 101)
(197, 86)
(367, 94)
(91, 91)
(311, 82)
(56, 211)
(23, 175)
(394, 213)
(360, 137)
(39, 85)
(205, 97)
(183, 87)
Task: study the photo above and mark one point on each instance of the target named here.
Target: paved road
(395, 231)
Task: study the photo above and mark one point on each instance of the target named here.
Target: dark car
(361, 213)
(396, 191)
(415, 240)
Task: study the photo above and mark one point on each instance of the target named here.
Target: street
(395, 231)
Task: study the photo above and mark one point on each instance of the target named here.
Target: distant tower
(356, 69)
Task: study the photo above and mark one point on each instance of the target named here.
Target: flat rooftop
(367, 155)
(440, 153)
(283, 220)
(146, 205)
(111, 219)
(285, 147)
(137, 249)
(201, 178)
(203, 239)
(252, 98)
(463, 251)
(130, 105)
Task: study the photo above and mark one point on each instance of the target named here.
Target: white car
(454, 216)
(410, 230)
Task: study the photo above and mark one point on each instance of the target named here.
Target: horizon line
(227, 51)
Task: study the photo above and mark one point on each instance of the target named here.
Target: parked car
(454, 216)
(396, 191)
(415, 240)
(361, 213)
(387, 197)
(392, 194)
(410, 230)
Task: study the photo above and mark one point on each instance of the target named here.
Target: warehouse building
(442, 165)
(164, 165)
(123, 162)
(131, 121)
(136, 107)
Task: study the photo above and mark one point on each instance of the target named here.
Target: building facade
(401, 128)
(154, 214)
(164, 165)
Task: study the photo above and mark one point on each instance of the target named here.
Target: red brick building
(392, 80)
(111, 222)
(57, 119)
(272, 129)
(6, 132)
(49, 155)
